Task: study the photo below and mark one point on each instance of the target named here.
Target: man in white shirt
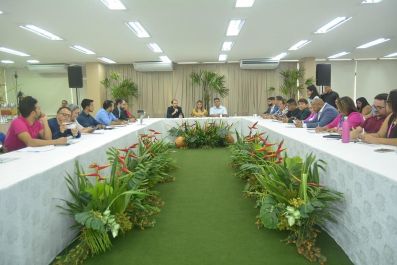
(218, 110)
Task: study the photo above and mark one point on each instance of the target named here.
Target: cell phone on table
(384, 150)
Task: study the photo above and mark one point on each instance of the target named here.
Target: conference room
(198, 132)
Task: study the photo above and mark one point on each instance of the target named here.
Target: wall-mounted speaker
(75, 76)
(323, 75)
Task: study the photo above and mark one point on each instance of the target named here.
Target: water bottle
(345, 131)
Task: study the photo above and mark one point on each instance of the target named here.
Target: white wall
(342, 77)
(48, 89)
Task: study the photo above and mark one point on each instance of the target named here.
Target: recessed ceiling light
(113, 4)
(373, 43)
(165, 59)
(338, 55)
(1, 12)
(391, 55)
(299, 45)
(14, 52)
(371, 1)
(106, 60)
(244, 3)
(41, 32)
(227, 46)
(154, 47)
(33, 61)
(332, 24)
(234, 27)
(7, 61)
(280, 56)
(82, 49)
(137, 28)
(222, 57)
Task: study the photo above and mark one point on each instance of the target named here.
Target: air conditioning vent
(264, 63)
(49, 68)
(153, 66)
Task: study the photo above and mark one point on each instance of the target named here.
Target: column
(95, 73)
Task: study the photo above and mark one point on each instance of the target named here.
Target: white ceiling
(193, 30)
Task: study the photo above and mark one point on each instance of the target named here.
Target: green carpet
(205, 220)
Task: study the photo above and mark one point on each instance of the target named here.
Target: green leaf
(269, 213)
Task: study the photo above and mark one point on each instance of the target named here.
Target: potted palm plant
(290, 79)
(120, 88)
(211, 83)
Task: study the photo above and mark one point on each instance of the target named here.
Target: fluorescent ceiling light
(165, 59)
(341, 59)
(338, 55)
(113, 4)
(299, 45)
(32, 61)
(154, 47)
(373, 43)
(6, 61)
(82, 49)
(244, 3)
(222, 57)
(234, 27)
(371, 1)
(332, 24)
(1, 12)
(391, 55)
(106, 60)
(41, 32)
(137, 28)
(280, 56)
(14, 52)
(227, 46)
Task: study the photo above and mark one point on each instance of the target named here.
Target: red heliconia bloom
(272, 155)
(133, 155)
(93, 165)
(253, 126)
(157, 132)
(125, 170)
(124, 150)
(279, 147)
(143, 135)
(264, 148)
(133, 146)
(121, 159)
(102, 167)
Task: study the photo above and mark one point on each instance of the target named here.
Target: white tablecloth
(33, 230)
(367, 226)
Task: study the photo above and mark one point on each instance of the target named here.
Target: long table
(33, 230)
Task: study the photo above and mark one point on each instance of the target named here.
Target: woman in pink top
(347, 109)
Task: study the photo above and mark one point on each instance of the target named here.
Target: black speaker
(323, 74)
(75, 76)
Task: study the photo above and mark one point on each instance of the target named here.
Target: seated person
(275, 108)
(30, 128)
(75, 110)
(199, 110)
(387, 133)
(105, 116)
(84, 118)
(174, 111)
(293, 112)
(363, 107)
(373, 123)
(347, 109)
(271, 103)
(64, 103)
(325, 114)
(282, 110)
(218, 110)
(303, 105)
(59, 124)
(120, 111)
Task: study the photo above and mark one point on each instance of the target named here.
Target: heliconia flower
(93, 165)
(125, 170)
(143, 135)
(102, 167)
(133, 146)
(264, 148)
(121, 159)
(253, 126)
(270, 156)
(95, 174)
(133, 155)
(279, 146)
(124, 150)
(157, 132)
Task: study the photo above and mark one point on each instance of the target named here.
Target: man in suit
(174, 111)
(325, 114)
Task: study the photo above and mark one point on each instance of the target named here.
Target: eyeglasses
(65, 114)
(378, 107)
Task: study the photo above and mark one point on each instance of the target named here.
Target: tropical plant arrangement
(116, 197)
(287, 191)
(208, 135)
(211, 83)
(120, 88)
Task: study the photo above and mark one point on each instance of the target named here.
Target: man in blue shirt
(61, 126)
(105, 115)
(218, 110)
(84, 118)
